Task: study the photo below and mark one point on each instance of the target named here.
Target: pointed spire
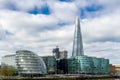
(77, 44)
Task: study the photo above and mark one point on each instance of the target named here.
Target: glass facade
(88, 65)
(28, 63)
(50, 62)
(73, 66)
(77, 44)
(62, 66)
(104, 66)
(97, 65)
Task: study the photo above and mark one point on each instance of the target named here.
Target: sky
(41, 25)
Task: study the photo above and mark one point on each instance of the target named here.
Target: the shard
(77, 44)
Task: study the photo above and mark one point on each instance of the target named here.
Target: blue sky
(40, 25)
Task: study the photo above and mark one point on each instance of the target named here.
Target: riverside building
(26, 63)
(51, 65)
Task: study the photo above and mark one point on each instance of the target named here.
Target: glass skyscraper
(77, 44)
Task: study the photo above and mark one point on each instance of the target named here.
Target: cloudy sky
(41, 25)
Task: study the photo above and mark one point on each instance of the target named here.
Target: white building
(9, 60)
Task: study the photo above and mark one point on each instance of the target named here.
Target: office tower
(77, 44)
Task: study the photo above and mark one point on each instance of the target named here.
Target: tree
(11, 71)
(7, 71)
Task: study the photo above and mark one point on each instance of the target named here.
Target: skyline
(33, 25)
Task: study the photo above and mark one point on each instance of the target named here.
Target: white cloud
(41, 33)
(22, 5)
(64, 11)
(103, 28)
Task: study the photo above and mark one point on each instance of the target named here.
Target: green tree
(7, 71)
(11, 71)
(4, 70)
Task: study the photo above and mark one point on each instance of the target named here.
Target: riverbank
(63, 78)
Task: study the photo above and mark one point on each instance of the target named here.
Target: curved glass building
(29, 64)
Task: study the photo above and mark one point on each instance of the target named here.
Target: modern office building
(101, 65)
(80, 64)
(61, 60)
(63, 54)
(51, 64)
(62, 66)
(59, 54)
(56, 52)
(26, 63)
(104, 66)
(97, 65)
(77, 43)
(88, 65)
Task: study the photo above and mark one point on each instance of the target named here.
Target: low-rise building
(51, 64)
(88, 65)
(63, 54)
(112, 69)
(60, 54)
(26, 63)
(9, 60)
(62, 66)
(115, 69)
